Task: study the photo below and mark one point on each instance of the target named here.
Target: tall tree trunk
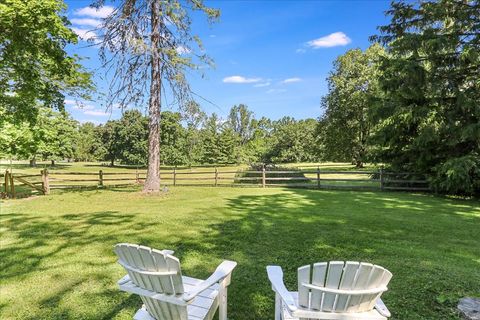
(152, 183)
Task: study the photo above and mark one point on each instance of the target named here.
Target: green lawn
(57, 262)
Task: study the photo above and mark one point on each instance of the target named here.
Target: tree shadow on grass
(431, 245)
(54, 249)
(38, 238)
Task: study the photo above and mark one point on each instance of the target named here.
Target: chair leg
(278, 307)
(222, 303)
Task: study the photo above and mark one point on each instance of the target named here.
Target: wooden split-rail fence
(315, 178)
(14, 184)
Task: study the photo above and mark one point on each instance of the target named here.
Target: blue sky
(273, 56)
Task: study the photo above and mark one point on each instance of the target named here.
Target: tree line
(188, 138)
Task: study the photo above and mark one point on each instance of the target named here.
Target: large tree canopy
(353, 86)
(35, 70)
(53, 136)
(429, 120)
(292, 141)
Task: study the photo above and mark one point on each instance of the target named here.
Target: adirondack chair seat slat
(167, 295)
(314, 314)
(196, 310)
(189, 283)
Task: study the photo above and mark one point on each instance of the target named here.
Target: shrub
(460, 176)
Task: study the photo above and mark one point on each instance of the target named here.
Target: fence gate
(15, 184)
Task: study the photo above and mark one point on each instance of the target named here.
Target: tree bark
(152, 182)
(359, 164)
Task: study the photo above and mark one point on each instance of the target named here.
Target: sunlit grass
(56, 258)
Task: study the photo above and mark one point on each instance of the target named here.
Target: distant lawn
(60, 174)
(56, 258)
(24, 167)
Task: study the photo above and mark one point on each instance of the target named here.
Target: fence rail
(14, 184)
(307, 178)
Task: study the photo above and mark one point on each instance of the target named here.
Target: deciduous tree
(353, 86)
(35, 69)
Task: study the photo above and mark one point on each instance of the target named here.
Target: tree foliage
(194, 118)
(88, 146)
(35, 69)
(353, 88)
(292, 141)
(132, 138)
(429, 119)
(53, 136)
(173, 139)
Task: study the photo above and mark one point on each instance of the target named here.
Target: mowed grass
(57, 261)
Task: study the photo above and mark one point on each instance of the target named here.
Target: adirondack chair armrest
(125, 279)
(275, 275)
(382, 308)
(223, 271)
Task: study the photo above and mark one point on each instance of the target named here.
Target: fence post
(12, 186)
(100, 178)
(7, 179)
(175, 176)
(263, 176)
(381, 179)
(137, 179)
(318, 177)
(45, 182)
(216, 176)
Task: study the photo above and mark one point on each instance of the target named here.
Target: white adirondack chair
(167, 295)
(335, 290)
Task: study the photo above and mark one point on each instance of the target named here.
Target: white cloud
(332, 40)
(275, 91)
(300, 50)
(70, 102)
(292, 80)
(85, 34)
(96, 113)
(259, 85)
(213, 36)
(102, 12)
(95, 23)
(183, 50)
(240, 79)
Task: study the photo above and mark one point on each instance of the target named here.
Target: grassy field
(56, 258)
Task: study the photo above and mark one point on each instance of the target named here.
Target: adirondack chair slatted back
(165, 277)
(340, 286)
